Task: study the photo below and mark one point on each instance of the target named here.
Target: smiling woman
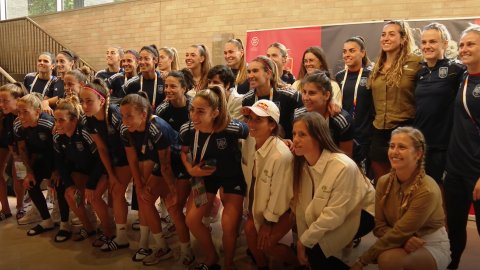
(114, 58)
(117, 81)
(40, 81)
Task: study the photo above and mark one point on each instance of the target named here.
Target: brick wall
(17, 8)
(180, 23)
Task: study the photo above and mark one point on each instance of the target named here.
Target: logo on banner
(443, 72)
(363, 81)
(476, 91)
(222, 143)
(255, 41)
(79, 146)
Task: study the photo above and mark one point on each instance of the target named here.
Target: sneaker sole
(164, 257)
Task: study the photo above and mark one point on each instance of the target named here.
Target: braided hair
(420, 146)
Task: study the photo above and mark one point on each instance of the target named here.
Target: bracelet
(359, 262)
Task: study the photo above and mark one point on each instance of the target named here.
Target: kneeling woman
(78, 163)
(147, 140)
(409, 220)
(333, 201)
(33, 132)
(268, 169)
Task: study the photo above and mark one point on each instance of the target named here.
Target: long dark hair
(319, 131)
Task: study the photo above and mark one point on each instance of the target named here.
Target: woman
(263, 78)
(9, 96)
(130, 66)
(437, 85)
(168, 61)
(114, 59)
(79, 166)
(392, 81)
(408, 211)
(103, 122)
(267, 165)
(462, 178)
(333, 200)
(147, 140)
(149, 80)
(198, 61)
(40, 81)
(33, 132)
(314, 58)
(234, 54)
(357, 99)
(212, 137)
(61, 88)
(317, 93)
(176, 112)
(278, 53)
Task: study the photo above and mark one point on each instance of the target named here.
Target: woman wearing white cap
(267, 165)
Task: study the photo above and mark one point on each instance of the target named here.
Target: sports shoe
(32, 216)
(141, 254)
(167, 219)
(27, 201)
(183, 262)
(90, 214)
(157, 255)
(169, 230)
(136, 225)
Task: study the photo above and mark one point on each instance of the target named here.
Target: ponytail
(185, 77)
(215, 96)
(71, 105)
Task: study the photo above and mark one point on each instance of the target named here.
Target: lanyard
(147, 128)
(356, 89)
(465, 104)
(195, 146)
(46, 86)
(154, 88)
(199, 85)
(271, 95)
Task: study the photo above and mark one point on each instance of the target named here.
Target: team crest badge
(42, 136)
(160, 89)
(79, 146)
(222, 143)
(363, 81)
(443, 72)
(476, 91)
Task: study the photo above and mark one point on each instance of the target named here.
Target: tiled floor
(20, 252)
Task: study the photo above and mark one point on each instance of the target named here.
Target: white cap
(263, 108)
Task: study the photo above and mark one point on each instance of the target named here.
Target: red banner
(296, 40)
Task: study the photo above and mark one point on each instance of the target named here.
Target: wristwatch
(360, 263)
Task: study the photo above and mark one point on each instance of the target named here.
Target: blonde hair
(471, 28)
(394, 74)
(215, 96)
(173, 54)
(33, 100)
(242, 68)
(71, 105)
(442, 30)
(419, 144)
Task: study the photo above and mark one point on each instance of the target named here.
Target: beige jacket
(331, 219)
(274, 178)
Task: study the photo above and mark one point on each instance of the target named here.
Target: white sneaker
(32, 216)
(157, 255)
(90, 214)
(27, 201)
(55, 214)
(184, 262)
(169, 230)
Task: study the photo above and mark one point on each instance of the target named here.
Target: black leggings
(40, 172)
(458, 195)
(62, 202)
(317, 258)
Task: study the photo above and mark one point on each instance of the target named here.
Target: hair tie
(265, 63)
(95, 91)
